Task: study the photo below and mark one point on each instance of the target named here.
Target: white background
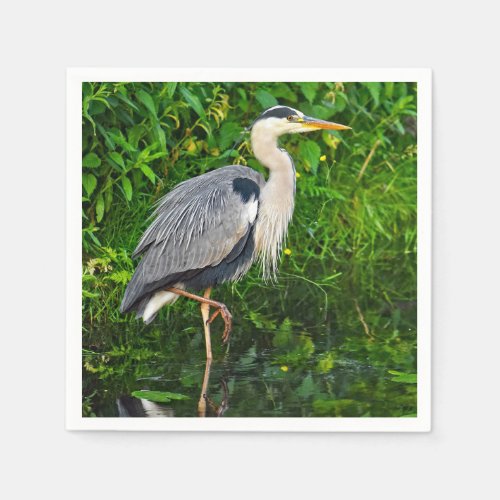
(458, 40)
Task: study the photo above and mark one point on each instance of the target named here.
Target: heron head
(280, 120)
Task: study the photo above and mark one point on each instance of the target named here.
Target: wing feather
(196, 225)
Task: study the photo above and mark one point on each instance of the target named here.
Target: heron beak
(316, 124)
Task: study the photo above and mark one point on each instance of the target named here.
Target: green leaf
(193, 102)
(91, 160)
(228, 134)
(402, 103)
(89, 182)
(135, 133)
(340, 102)
(265, 99)
(374, 88)
(171, 86)
(126, 100)
(155, 156)
(243, 102)
(389, 89)
(310, 153)
(107, 139)
(96, 108)
(148, 173)
(127, 188)
(309, 90)
(122, 277)
(99, 208)
(283, 91)
(108, 195)
(176, 395)
(160, 134)
(120, 140)
(147, 100)
(117, 158)
(159, 396)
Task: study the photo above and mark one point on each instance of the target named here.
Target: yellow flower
(284, 368)
(322, 158)
(288, 251)
(297, 175)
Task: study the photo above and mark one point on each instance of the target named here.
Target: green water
(294, 352)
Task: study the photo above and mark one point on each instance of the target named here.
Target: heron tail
(149, 306)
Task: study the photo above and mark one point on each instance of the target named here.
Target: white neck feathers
(276, 199)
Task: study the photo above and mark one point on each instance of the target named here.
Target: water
(312, 360)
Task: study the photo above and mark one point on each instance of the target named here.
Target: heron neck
(276, 160)
(276, 199)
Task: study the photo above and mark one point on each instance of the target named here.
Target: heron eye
(290, 118)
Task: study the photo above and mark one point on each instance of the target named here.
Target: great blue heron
(210, 229)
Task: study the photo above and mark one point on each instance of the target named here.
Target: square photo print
(242, 253)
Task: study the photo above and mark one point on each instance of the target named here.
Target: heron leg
(221, 309)
(220, 409)
(217, 410)
(205, 314)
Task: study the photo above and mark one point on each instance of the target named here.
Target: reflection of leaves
(307, 388)
(404, 378)
(248, 358)
(293, 349)
(297, 344)
(189, 378)
(284, 336)
(336, 408)
(274, 373)
(300, 354)
(325, 362)
(159, 396)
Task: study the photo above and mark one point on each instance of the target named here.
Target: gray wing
(196, 225)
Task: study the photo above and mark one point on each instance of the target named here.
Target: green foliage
(347, 287)
(104, 278)
(356, 191)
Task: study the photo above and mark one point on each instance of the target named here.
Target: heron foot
(228, 321)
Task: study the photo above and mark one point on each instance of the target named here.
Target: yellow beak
(316, 124)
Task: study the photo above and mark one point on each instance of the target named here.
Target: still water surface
(302, 363)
